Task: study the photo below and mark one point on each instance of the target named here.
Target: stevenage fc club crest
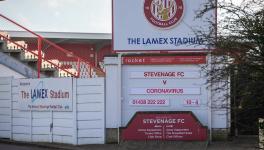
(163, 13)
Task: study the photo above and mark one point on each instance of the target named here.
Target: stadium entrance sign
(163, 25)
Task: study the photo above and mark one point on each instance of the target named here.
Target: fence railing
(47, 53)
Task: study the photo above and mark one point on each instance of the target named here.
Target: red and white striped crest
(160, 6)
(163, 13)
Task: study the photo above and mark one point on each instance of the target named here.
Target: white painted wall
(112, 115)
(7, 72)
(5, 107)
(90, 111)
(221, 112)
(84, 125)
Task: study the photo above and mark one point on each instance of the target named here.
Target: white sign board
(45, 94)
(147, 25)
(147, 87)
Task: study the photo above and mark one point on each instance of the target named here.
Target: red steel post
(78, 67)
(39, 55)
(90, 71)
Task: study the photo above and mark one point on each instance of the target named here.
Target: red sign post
(181, 126)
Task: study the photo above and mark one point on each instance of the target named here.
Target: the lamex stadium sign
(147, 25)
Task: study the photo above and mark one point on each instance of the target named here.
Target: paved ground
(6, 146)
(242, 143)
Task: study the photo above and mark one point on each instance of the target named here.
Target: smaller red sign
(163, 60)
(165, 126)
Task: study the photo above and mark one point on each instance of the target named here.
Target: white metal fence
(5, 107)
(84, 125)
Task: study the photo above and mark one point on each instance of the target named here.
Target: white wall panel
(5, 119)
(90, 114)
(90, 107)
(5, 104)
(90, 98)
(41, 130)
(62, 115)
(86, 90)
(5, 87)
(62, 139)
(15, 105)
(112, 119)
(220, 105)
(5, 111)
(20, 129)
(41, 115)
(5, 107)
(82, 141)
(5, 126)
(21, 121)
(92, 124)
(41, 138)
(82, 116)
(91, 82)
(21, 114)
(90, 133)
(219, 119)
(5, 80)
(22, 137)
(14, 97)
(45, 122)
(63, 123)
(5, 95)
(63, 131)
(5, 134)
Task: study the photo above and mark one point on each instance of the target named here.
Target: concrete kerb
(62, 146)
(39, 144)
(123, 146)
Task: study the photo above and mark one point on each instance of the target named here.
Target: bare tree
(239, 55)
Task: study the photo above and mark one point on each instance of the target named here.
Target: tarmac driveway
(241, 143)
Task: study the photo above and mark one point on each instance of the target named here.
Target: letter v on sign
(164, 82)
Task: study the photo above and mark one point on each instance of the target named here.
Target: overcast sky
(87, 16)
